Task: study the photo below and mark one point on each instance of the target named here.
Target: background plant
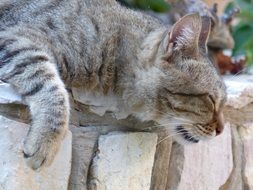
(155, 5)
(242, 29)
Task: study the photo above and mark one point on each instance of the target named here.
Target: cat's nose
(220, 123)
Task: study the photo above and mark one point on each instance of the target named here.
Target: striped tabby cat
(156, 72)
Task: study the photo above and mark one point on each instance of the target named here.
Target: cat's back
(72, 28)
(14, 12)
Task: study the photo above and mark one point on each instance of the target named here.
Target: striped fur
(102, 47)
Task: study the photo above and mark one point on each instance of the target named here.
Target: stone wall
(109, 152)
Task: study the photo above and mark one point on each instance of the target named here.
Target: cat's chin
(185, 137)
(186, 141)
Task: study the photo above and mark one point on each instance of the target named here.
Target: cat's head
(177, 85)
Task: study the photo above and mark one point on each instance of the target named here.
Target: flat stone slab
(8, 94)
(15, 174)
(246, 135)
(124, 161)
(240, 90)
(203, 166)
(99, 104)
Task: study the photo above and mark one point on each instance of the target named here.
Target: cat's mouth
(186, 135)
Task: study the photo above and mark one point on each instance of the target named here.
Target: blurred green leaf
(229, 7)
(243, 30)
(245, 14)
(248, 47)
(241, 34)
(245, 4)
(155, 5)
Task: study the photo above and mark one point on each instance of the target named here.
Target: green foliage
(155, 5)
(243, 30)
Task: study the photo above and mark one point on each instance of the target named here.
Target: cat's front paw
(40, 150)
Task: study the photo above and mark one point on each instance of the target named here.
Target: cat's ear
(204, 33)
(185, 34)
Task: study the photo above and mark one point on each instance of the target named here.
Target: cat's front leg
(33, 74)
(50, 114)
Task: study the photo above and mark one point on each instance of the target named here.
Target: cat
(158, 72)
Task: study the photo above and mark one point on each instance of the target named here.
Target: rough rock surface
(162, 161)
(11, 103)
(124, 161)
(99, 104)
(14, 173)
(240, 90)
(84, 144)
(8, 94)
(247, 156)
(239, 112)
(206, 165)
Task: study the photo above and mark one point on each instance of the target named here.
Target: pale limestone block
(176, 166)
(84, 144)
(246, 134)
(8, 94)
(206, 165)
(100, 103)
(239, 111)
(15, 174)
(162, 161)
(235, 181)
(124, 161)
(239, 90)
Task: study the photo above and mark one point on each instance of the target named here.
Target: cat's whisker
(167, 125)
(173, 123)
(167, 137)
(168, 122)
(233, 77)
(179, 118)
(179, 132)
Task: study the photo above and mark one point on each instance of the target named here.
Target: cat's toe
(26, 155)
(34, 158)
(36, 161)
(40, 152)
